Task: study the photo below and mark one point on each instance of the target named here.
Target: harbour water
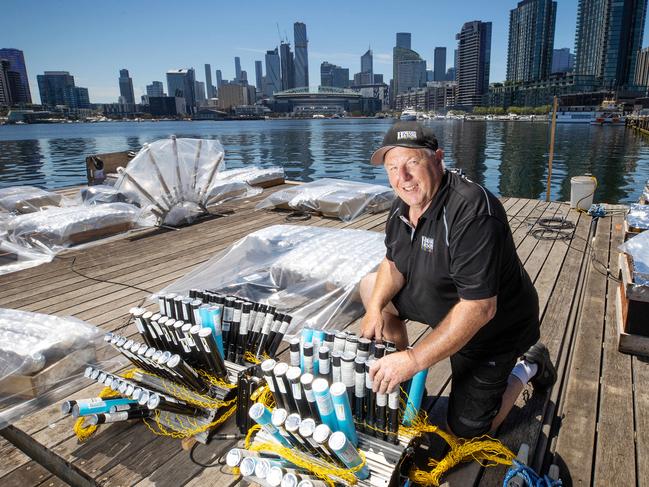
(509, 158)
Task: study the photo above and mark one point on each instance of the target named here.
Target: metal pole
(551, 156)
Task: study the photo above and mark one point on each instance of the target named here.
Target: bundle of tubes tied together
(326, 409)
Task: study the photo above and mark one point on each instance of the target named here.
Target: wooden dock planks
(130, 455)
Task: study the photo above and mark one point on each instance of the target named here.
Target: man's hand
(390, 371)
(372, 325)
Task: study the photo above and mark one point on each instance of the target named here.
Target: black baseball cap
(412, 135)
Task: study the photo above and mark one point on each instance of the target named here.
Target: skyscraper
(155, 89)
(531, 40)
(404, 39)
(411, 74)
(367, 68)
(199, 90)
(439, 64)
(334, 76)
(608, 38)
(273, 73)
(563, 60)
(288, 66)
(259, 76)
(473, 61)
(180, 83)
(219, 79)
(17, 64)
(208, 81)
(58, 88)
(237, 68)
(400, 54)
(301, 55)
(5, 90)
(126, 87)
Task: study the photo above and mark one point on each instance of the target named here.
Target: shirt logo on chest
(427, 244)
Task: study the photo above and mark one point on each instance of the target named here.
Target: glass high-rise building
(531, 40)
(367, 64)
(58, 88)
(439, 64)
(301, 55)
(126, 87)
(608, 38)
(259, 77)
(21, 93)
(155, 89)
(473, 62)
(411, 74)
(237, 68)
(334, 76)
(404, 39)
(273, 77)
(563, 61)
(180, 83)
(208, 81)
(288, 66)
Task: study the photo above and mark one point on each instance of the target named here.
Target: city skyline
(343, 45)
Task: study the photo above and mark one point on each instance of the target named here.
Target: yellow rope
(250, 357)
(157, 427)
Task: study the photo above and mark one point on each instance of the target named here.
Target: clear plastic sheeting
(345, 200)
(254, 176)
(638, 248)
(39, 357)
(100, 194)
(15, 258)
(638, 217)
(56, 228)
(27, 199)
(175, 179)
(311, 273)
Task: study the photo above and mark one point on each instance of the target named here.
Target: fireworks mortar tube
(307, 429)
(234, 331)
(306, 336)
(329, 340)
(215, 323)
(156, 401)
(274, 477)
(182, 339)
(85, 407)
(265, 331)
(336, 361)
(339, 341)
(247, 466)
(161, 304)
(380, 414)
(234, 456)
(274, 330)
(311, 483)
(155, 331)
(286, 322)
(102, 418)
(307, 386)
(359, 390)
(317, 341)
(278, 419)
(196, 312)
(292, 426)
(343, 411)
(267, 367)
(169, 305)
(325, 404)
(379, 351)
(348, 454)
(348, 376)
(370, 399)
(187, 310)
(137, 314)
(321, 436)
(307, 359)
(363, 348)
(253, 337)
(201, 359)
(393, 416)
(294, 352)
(290, 480)
(415, 396)
(261, 415)
(178, 307)
(293, 375)
(204, 313)
(242, 340)
(124, 407)
(324, 363)
(284, 387)
(351, 344)
(228, 313)
(169, 330)
(212, 355)
(189, 376)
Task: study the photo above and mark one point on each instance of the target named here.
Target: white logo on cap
(407, 134)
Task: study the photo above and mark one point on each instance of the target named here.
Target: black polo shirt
(462, 247)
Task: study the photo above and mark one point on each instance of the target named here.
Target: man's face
(414, 174)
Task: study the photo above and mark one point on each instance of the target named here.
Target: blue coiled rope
(531, 478)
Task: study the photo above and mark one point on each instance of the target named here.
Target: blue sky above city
(94, 40)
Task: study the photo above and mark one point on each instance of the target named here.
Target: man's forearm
(389, 282)
(456, 329)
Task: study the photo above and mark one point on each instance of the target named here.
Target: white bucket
(582, 189)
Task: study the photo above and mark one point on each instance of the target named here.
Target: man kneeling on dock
(451, 263)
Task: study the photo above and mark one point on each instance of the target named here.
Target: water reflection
(509, 158)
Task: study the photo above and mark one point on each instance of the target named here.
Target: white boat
(609, 114)
(573, 117)
(408, 114)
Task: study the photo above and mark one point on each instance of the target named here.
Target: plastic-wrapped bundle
(39, 357)
(15, 258)
(638, 248)
(345, 200)
(312, 273)
(175, 179)
(60, 227)
(638, 217)
(101, 194)
(27, 199)
(263, 177)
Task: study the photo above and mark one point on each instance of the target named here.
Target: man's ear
(439, 155)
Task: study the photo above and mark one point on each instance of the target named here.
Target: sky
(93, 40)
